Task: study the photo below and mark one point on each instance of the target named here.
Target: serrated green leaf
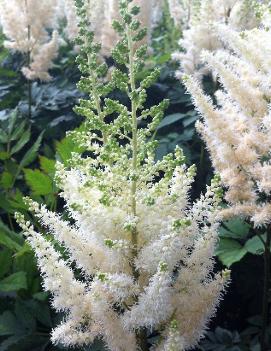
(230, 251)
(6, 180)
(39, 183)
(47, 165)
(24, 139)
(12, 120)
(14, 282)
(18, 131)
(31, 154)
(66, 147)
(17, 202)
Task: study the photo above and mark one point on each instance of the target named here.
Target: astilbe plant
(200, 31)
(143, 253)
(237, 132)
(27, 26)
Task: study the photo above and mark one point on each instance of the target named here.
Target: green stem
(141, 335)
(10, 222)
(134, 145)
(95, 94)
(29, 83)
(265, 302)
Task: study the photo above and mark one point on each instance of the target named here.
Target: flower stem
(265, 302)
(141, 335)
(29, 83)
(134, 144)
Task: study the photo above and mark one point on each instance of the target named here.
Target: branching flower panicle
(199, 33)
(27, 25)
(237, 129)
(145, 252)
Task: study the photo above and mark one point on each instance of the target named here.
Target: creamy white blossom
(26, 25)
(200, 32)
(143, 251)
(237, 130)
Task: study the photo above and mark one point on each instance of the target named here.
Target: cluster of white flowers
(175, 248)
(143, 252)
(237, 130)
(26, 24)
(182, 11)
(199, 31)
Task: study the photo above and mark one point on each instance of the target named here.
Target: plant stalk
(265, 300)
(29, 83)
(141, 335)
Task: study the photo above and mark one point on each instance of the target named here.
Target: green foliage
(165, 37)
(14, 282)
(27, 166)
(39, 182)
(237, 239)
(222, 340)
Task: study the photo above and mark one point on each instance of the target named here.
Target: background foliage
(29, 149)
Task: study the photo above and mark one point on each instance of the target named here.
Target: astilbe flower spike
(237, 129)
(199, 31)
(27, 24)
(145, 253)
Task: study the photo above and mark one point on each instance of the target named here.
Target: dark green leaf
(21, 142)
(14, 282)
(31, 154)
(18, 131)
(6, 180)
(41, 296)
(8, 324)
(238, 225)
(255, 245)
(12, 340)
(6, 241)
(5, 262)
(230, 251)
(24, 315)
(11, 234)
(3, 137)
(170, 119)
(12, 120)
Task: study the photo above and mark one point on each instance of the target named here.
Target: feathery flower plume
(145, 253)
(237, 129)
(26, 24)
(200, 33)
